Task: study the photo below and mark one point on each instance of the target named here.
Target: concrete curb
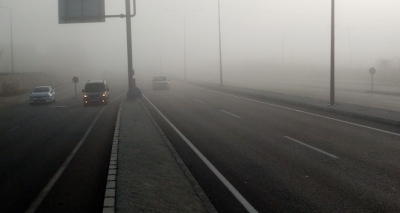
(110, 194)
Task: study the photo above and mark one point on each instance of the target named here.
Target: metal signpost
(372, 71)
(75, 80)
(85, 11)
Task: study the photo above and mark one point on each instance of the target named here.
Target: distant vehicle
(160, 82)
(95, 92)
(42, 94)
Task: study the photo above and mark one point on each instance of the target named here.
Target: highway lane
(36, 140)
(283, 160)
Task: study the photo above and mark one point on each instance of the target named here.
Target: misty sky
(257, 36)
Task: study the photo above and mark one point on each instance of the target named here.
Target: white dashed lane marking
(311, 147)
(12, 129)
(198, 101)
(230, 114)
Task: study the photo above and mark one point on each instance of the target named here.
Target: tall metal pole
(184, 44)
(11, 39)
(332, 92)
(372, 83)
(348, 31)
(12, 44)
(131, 81)
(184, 36)
(220, 54)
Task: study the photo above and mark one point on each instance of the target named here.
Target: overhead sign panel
(81, 11)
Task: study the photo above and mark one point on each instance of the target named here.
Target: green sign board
(81, 11)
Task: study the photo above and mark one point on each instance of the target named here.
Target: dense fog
(262, 41)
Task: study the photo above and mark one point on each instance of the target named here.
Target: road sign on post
(372, 71)
(75, 80)
(81, 11)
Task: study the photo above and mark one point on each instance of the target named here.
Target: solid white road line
(198, 101)
(392, 102)
(311, 147)
(296, 110)
(230, 113)
(39, 199)
(227, 184)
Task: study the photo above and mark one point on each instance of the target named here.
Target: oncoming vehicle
(95, 92)
(160, 82)
(42, 94)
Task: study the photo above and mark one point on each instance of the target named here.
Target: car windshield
(160, 78)
(95, 87)
(41, 89)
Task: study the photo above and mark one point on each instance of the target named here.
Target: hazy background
(262, 40)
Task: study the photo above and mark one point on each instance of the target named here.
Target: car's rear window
(160, 78)
(41, 89)
(95, 87)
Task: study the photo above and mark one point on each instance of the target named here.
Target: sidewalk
(146, 174)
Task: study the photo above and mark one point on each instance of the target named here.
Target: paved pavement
(147, 175)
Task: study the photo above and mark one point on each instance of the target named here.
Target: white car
(160, 82)
(42, 94)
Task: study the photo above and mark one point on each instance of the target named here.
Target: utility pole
(11, 40)
(184, 36)
(220, 53)
(332, 89)
(131, 81)
(184, 44)
(128, 16)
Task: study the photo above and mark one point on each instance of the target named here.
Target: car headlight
(85, 96)
(104, 95)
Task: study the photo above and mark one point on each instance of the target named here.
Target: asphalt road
(281, 158)
(35, 141)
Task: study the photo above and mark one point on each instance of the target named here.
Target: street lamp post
(220, 54)
(184, 44)
(332, 92)
(11, 39)
(184, 36)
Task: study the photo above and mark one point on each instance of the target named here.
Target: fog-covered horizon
(262, 39)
